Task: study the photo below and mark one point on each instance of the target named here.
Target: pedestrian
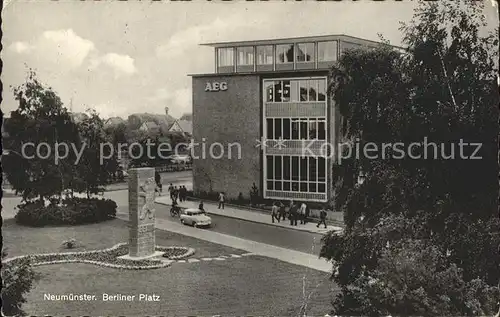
(175, 194)
(181, 194)
(282, 212)
(293, 214)
(274, 212)
(171, 191)
(200, 206)
(322, 217)
(159, 186)
(221, 200)
(302, 213)
(184, 193)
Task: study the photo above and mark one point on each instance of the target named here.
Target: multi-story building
(272, 93)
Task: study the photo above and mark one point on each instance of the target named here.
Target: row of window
(295, 168)
(295, 173)
(286, 53)
(308, 187)
(296, 128)
(295, 90)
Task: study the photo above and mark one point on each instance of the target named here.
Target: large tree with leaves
(40, 118)
(421, 235)
(99, 159)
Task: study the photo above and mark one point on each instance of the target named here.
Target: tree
(443, 90)
(17, 280)
(95, 169)
(40, 119)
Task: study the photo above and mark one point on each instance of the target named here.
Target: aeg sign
(216, 86)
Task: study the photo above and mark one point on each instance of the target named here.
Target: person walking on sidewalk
(171, 190)
(200, 206)
(274, 212)
(159, 186)
(181, 193)
(221, 200)
(322, 217)
(293, 214)
(184, 193)
(302, 212)
(282, 212)
(175, 194)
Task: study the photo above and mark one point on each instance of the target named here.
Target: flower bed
(108, 258)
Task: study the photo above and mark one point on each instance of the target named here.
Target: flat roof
(266, 73)
(342, 37)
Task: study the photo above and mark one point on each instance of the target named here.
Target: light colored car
(195, 217)
(180, 159)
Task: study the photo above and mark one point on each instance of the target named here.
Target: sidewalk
(248, 215)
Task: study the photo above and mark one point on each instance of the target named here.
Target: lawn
(21, 240)
(251, 285)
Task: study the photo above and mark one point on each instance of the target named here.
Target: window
(270, 167)
(321, 90)
(282, 91)
(294, 91)
(270, 128)
(327, 51)
(321, 129)
(287, 129)
(295, 168)
(225, 57)
(265, 55)
(284, 54)
(277, 129)
(312, 169)
(303, 88)
(295, 129)
(305, 52)
(313, 88)
(303, 129)
(269, 89)
(277, 168)
(245, 55)
(313, 129)
(286, 168)
(303, 168)
(321, 169)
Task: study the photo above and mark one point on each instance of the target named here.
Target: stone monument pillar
(141, 197)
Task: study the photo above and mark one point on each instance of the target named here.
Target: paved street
(297, 240)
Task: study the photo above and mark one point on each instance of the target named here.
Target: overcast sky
(126, 57)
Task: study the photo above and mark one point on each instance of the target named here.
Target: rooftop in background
(299, 54)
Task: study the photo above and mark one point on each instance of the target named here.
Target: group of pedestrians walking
(177, 193)
(295, 211)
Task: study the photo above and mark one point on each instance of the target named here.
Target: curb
(254, 221)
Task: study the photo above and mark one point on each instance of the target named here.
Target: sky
(122, 57)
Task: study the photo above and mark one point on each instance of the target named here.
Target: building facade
(268, 102)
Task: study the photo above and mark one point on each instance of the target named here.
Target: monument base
(157, 254)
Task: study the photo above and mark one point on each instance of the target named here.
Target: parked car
(180, 159)
(196, 218)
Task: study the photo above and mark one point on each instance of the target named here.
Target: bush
(416, 278)
(18, 277)
(72, 211)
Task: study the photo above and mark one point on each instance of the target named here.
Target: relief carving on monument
(147, 191)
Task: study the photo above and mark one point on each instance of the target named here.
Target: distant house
(164, 121)
(182, 126)
(150, 127)
(113, 122)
